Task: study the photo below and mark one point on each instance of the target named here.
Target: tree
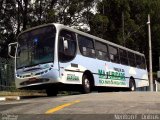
(7, 11)
(119, 21)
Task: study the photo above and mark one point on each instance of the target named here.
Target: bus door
(67, 52)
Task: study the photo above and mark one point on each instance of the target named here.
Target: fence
(6, 74)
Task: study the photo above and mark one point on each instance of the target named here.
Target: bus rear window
(140, 62)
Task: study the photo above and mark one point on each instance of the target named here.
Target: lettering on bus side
(72, 77)
(111, 82)
(116, 77)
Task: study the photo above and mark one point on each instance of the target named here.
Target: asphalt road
(95, 106)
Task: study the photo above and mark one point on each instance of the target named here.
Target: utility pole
(150, 54)
(103, 23)
(123, 29)
(159, 63)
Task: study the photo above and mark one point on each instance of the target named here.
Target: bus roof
(61, 26)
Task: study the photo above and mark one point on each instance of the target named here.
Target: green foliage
(120, 21)
(99, 22)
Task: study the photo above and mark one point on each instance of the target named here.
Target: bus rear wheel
(51, 92)
(132, 85)
(86, 85)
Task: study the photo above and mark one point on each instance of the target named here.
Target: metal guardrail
(7, 75)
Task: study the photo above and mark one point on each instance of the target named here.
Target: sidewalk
(5, 96)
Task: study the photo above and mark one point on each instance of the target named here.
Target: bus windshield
(36, 47)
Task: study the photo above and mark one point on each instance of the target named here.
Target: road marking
(61, 107)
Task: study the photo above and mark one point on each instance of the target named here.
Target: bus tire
(51, 92)
(132, 85)
(86, 84)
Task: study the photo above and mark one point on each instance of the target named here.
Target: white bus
(56, 57)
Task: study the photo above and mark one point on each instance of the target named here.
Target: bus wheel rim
(87, 84)
(132, 87)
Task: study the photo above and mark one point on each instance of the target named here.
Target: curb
(6, 98)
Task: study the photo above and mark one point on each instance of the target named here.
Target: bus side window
(86, 46)
(143, 63)
(67, 54)
(131, 58)
(138, 61)
(123, 56)
(101, 51)
(113, 53)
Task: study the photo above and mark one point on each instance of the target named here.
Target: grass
(22, 93)
(33, 93)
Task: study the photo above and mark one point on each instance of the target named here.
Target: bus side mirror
(12, 49)
(65, 43)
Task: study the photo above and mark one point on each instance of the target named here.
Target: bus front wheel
(51, 92)
(132, 85)
(86, 84)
